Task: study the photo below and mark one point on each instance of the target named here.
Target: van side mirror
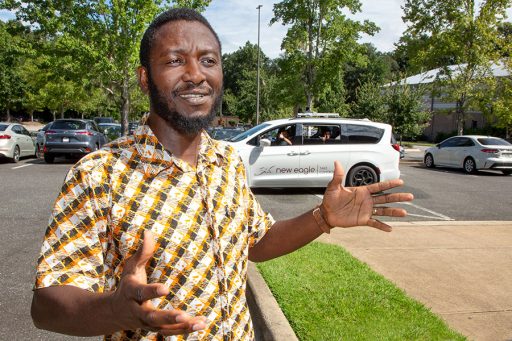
(265, 143)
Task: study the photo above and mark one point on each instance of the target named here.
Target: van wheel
(361, 176)
(469, 165)
(49, 158)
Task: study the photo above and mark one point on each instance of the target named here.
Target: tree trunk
(125, 102)
(8, 114)
(460, 117)
(31, 113)
(54, 114)
(62, 112)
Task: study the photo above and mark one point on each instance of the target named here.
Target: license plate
(65, 139)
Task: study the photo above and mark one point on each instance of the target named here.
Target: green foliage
(463, 31)
(370, 102)
(12, 85)
(327, 294)
(92, 44)
(319, 41)
(405, 110)
(376, 67)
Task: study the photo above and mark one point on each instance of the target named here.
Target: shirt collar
(154, 157)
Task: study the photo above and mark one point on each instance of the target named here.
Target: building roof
(497, 69)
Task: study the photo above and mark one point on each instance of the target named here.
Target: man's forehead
(187, 29)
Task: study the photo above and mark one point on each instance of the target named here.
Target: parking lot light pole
(258, 71)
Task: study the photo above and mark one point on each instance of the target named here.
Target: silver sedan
(471, 153)
(15, 141)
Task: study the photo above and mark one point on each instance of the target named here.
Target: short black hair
(173, 14)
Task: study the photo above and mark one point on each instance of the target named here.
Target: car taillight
(88, 133)
(5, 137)
(396, 146)
(49, 132)
(491, 151)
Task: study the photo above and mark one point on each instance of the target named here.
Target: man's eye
(175, 61)
(209, 61)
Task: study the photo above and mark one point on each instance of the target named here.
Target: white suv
(296, 153)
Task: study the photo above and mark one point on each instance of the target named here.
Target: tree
(320, 36)
(102, 37)
(370, 102)
(376, 68)
(469, 35)
(12, 86)
(405, 110)
(240, 88)
(494, 98)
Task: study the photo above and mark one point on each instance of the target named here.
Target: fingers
(385, 185)
(337, 177)
(379, 225)
(147, 292)
(389, 211)
(172, 322)
(392, 197)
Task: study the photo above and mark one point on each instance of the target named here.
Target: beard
(180, 122)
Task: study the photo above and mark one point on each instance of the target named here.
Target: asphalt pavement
(461, 270)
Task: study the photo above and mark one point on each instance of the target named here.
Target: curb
(269, 322)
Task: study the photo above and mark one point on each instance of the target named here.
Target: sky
(236, 22)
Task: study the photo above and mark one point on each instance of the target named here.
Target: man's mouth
(194, 98)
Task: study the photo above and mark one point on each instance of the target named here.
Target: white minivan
(300, 152)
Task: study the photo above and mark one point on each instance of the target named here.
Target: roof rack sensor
(317, 114)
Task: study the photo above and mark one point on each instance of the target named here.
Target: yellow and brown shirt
(205, 219)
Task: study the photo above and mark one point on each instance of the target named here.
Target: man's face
(185, 77)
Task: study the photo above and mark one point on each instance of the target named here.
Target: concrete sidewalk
(461, 270)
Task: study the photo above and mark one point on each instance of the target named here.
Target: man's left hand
(355, 206)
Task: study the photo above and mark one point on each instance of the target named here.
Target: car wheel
(16, 154)
(507, 172)
(429, 161)
(49, 158)
(361, 176)
(469, 165)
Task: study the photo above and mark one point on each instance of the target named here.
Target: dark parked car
(99, 120)
(72, 137)
(111, 130)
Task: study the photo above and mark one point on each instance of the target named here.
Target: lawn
(326, 294)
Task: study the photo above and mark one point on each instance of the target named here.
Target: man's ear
(142, 75)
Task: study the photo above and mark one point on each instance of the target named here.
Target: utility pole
(258, 72)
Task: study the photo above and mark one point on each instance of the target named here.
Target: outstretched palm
(354, 206)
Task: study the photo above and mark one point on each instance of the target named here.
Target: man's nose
(193, 72)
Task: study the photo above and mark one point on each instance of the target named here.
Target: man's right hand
(131, 301)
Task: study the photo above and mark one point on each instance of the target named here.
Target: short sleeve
(72, 250)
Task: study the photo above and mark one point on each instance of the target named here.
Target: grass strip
(326, 294)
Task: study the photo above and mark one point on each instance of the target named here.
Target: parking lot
(30, 187)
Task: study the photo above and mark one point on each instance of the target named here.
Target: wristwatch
(320, 220)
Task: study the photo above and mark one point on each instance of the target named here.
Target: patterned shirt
(204, 220)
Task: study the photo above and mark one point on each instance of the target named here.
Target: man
(284, 138)
(150, 236)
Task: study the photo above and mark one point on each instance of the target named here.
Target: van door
(277, 163)
(321, 145)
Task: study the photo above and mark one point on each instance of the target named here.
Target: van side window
(362, 134)
(321, 134)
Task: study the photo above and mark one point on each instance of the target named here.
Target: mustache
(191, 87)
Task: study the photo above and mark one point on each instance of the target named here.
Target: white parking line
(434, 215)
(25, 165)
(438, 215)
